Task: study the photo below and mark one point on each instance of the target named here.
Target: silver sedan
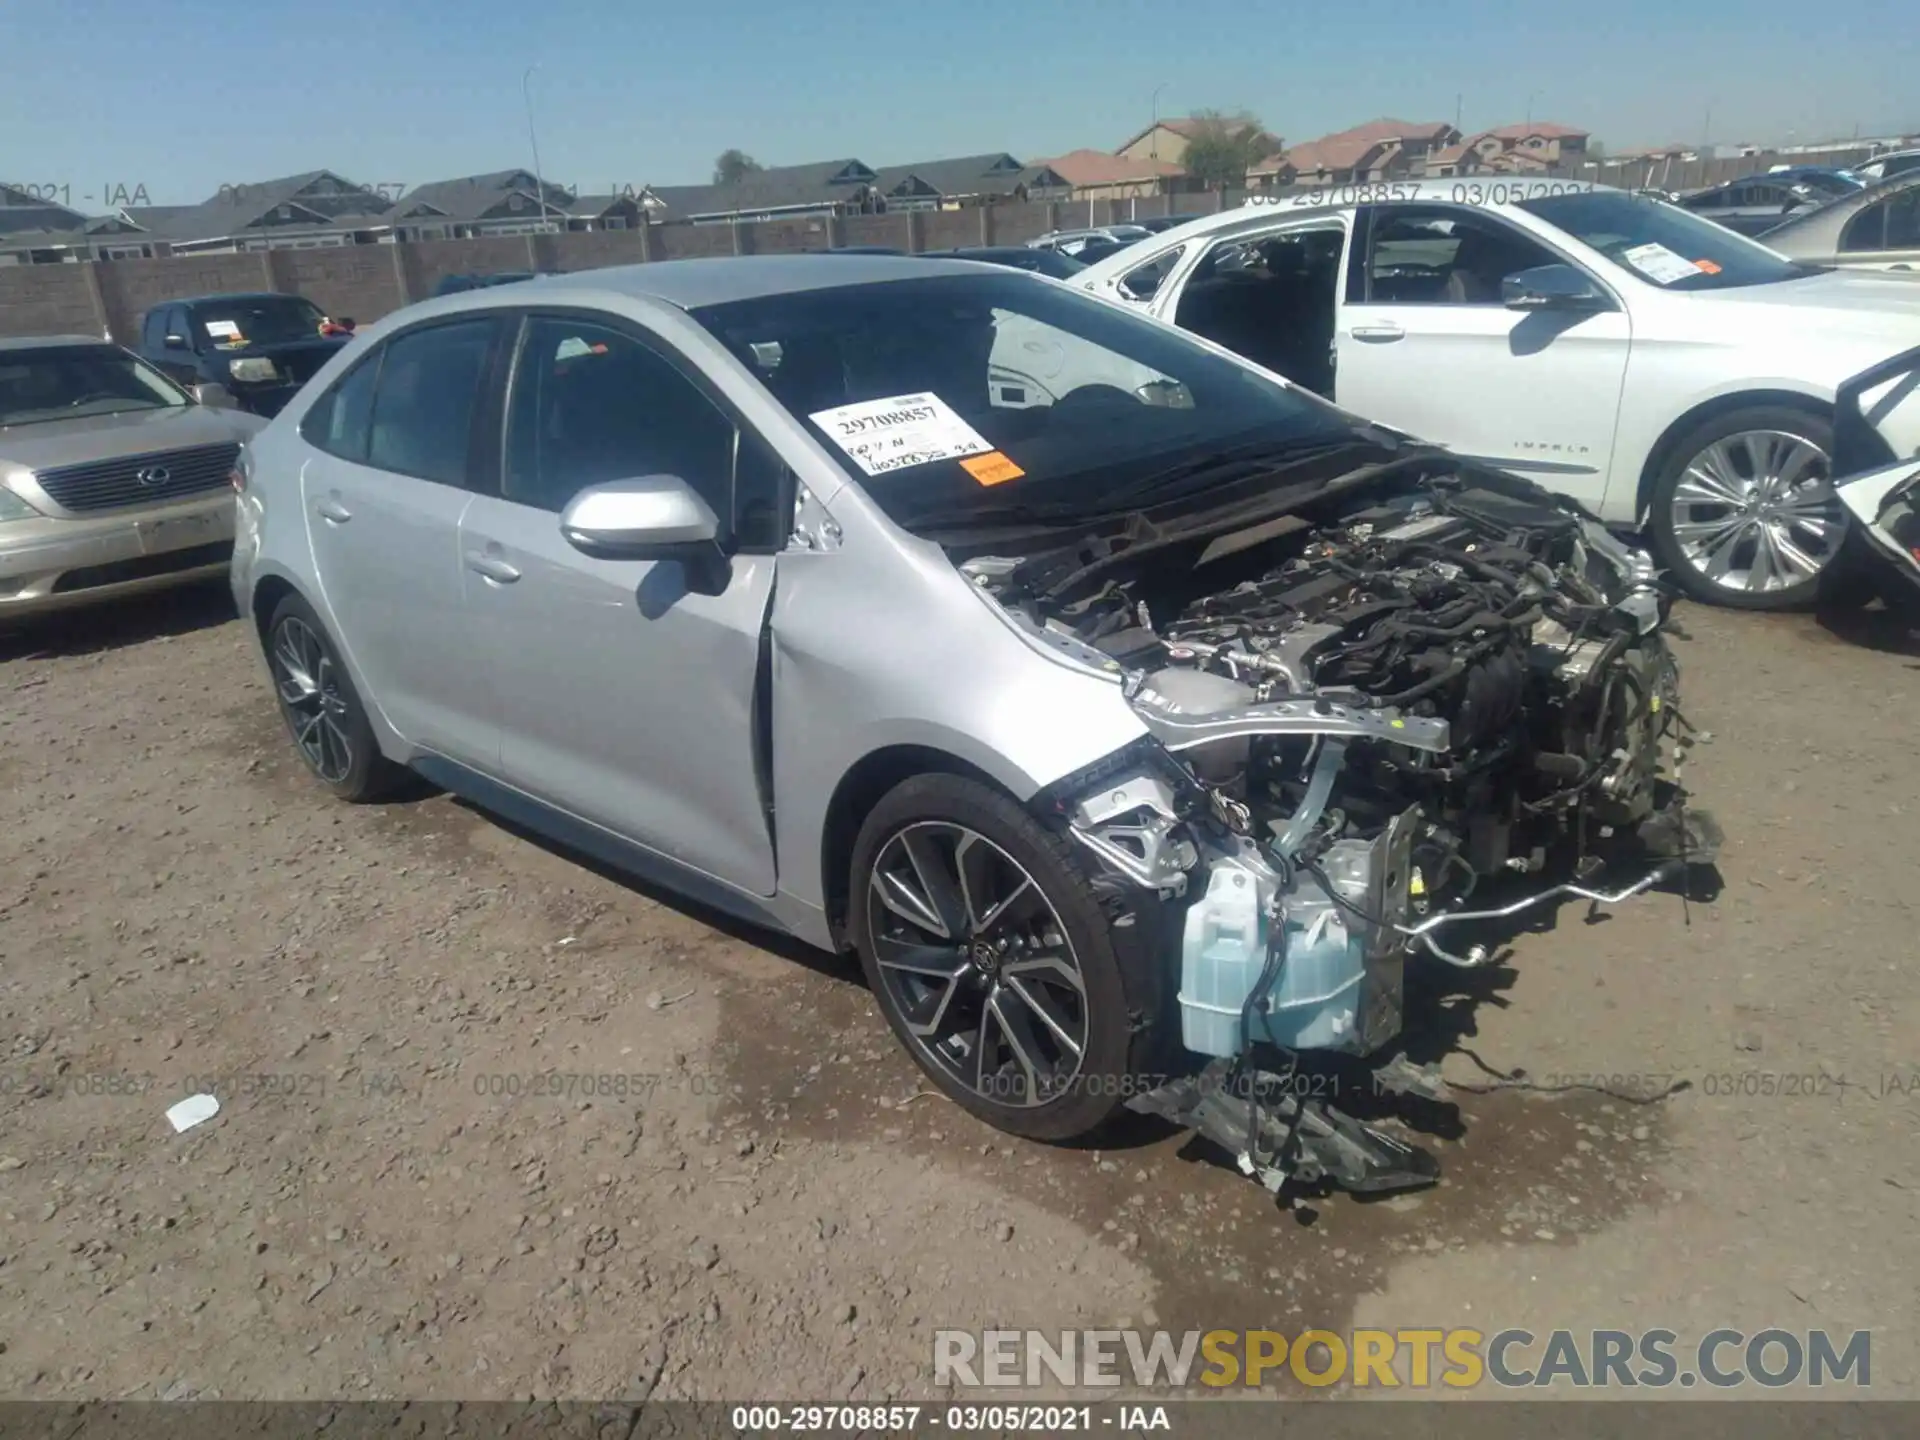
(1126, 709)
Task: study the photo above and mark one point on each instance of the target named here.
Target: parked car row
(1129, 708)
(1673, 376)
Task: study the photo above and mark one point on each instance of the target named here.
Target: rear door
(1425, 344)
(384, 491)
(625, 697)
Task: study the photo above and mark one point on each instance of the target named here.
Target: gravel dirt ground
(393, 1203)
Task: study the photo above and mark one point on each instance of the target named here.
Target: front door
(384, 492)
(625, 698)
(1425, 344)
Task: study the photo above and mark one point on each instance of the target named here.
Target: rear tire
(996, 963)
(323, 712)
(1743, 514)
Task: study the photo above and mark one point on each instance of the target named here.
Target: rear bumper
(53, 564)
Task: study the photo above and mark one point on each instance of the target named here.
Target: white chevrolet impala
(1667, 373)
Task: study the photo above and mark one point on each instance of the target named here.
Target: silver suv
(1130, 712)
(113, 479)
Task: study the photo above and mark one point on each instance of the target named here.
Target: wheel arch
(859, 790)
(1706, 410)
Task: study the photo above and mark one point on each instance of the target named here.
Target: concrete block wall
(367, 282)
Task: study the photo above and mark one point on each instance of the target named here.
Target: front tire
(323, 712)
(996, 963)
(1743, 512)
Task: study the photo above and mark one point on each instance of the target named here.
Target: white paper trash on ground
(187, 1113)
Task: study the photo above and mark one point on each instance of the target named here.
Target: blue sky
(182, 97)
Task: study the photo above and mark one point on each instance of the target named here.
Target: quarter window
(424, 404)
(1143, 282)
(337, 421)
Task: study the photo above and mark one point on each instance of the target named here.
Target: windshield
(960, 396)
(1663, 244)
(69, 382)
(255, 320)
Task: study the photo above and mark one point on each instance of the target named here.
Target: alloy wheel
(975, 961)
(308, 681)
(1756, 511)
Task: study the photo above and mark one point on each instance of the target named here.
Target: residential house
(965, 182)
(780, 192)
(298, 212)
(1537, 145)
(1378, 150)
(505, 202)
(35, 229)
(851, 186)
(1168, 139)
(1096, 175)
(624, 210)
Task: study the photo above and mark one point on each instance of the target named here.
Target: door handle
(1377, 334)
(492, 567)
(331, 509)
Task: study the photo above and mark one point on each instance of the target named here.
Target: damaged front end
(1365, 719)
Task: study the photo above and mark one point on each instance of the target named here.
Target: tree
(733, 166)
(1223, 147)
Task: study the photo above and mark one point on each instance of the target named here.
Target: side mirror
(1551, 287)
(656, 517)
(214, 396)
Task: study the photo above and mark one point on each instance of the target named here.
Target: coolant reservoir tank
(1222, 954)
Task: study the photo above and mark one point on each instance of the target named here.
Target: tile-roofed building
(35, 229)
(1168, 139)
(1378, 150)
(1096, 175)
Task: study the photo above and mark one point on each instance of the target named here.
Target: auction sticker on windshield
(1659, 264)
(223, 329)
(899, 431)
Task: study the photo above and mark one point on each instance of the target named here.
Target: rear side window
(1892, 224)
(426, 399)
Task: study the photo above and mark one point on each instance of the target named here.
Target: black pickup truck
(260, 348)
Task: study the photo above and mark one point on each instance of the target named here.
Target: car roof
(19, 343)
(692, 283)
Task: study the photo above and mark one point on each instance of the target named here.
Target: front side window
(956, 395)
(69, 382)
(1662, 244)
(253, 320)
(424, 403)
(592, 404)
(1445, 255)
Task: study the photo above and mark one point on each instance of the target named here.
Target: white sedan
(1667, 373)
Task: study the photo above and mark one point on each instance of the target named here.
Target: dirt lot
(774, 1208)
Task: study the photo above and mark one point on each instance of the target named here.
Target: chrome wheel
(977, 965)
(308, 682)
(1755, 512)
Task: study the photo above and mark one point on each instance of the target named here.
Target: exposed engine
(1372, 712)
